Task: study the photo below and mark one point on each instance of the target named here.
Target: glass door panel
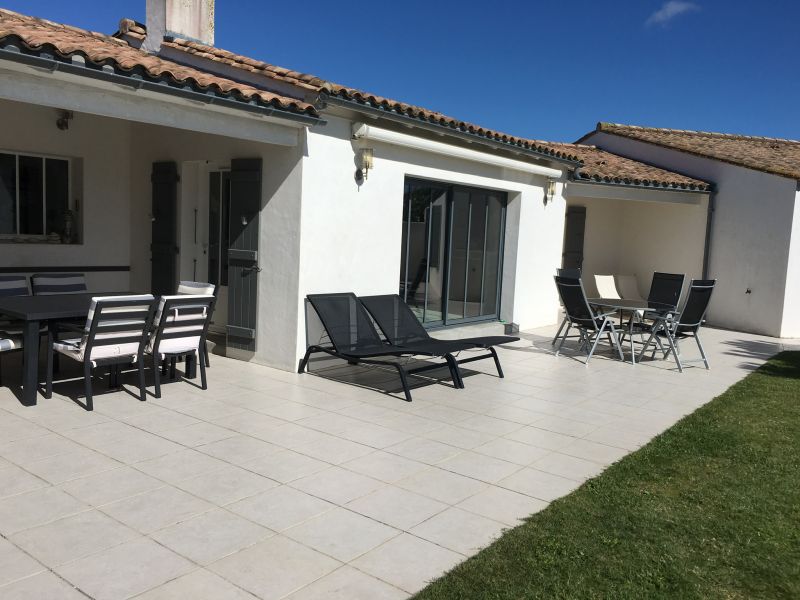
(476, 256)
(495, 225)
(434, 289)
(459, 244)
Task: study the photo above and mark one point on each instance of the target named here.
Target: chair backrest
(571, 273)
(196, 288)
(606, 288)
(694, 311)
(44, 284)
(396, 320)
(628, 287)
(181, 323)
(14, 285)
(118, 326)
(346, 321)
(666, 288)
(573, 298)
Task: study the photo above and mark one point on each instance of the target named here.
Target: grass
(709, 509)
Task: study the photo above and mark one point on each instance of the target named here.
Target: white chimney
(189, 19)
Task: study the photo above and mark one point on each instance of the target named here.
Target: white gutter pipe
(376, 134)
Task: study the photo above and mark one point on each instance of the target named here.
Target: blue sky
(546, 70)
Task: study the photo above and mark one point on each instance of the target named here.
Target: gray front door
(245, 207)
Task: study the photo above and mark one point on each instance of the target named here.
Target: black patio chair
(402, 328)
(590, 325)
(685, 324)
(665, 288)
(572, 274)
(115, 334)
(354, 338)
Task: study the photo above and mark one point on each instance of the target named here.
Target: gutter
(79, 66)
(641, 186)
(444, 130)
(712, 206)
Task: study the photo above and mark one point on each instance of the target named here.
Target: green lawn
(709, 509)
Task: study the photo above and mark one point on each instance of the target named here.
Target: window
(34, 195)
(452, 252)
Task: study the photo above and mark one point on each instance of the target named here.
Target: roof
(600, 166)
(37, 36)
(311, 82)
(770, 155)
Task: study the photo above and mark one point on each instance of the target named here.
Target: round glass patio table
(656, 310)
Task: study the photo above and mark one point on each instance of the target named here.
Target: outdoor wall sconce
(365, 158)
(549, 191)
(65, 116)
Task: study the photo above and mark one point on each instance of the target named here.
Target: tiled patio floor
(276, 485)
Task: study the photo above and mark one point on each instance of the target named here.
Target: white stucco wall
(750, 238)
(790, 326)
(351, 236)
(103, 195)
(637, 237)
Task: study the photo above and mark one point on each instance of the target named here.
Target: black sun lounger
(354, 338)
(402, 328)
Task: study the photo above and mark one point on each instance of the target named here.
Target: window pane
(31, 195)
(436, 255)
(494, 254)
(415, 265)
(459, 239)
(475, 258)
(57, 190)
(8, 193)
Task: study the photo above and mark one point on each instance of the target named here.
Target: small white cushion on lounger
(8, 342)
(195, 288)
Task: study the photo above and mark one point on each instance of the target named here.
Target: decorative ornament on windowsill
(68, 231)
(364, 160)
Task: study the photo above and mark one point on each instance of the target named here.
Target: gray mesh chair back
(396, 319)
(573, 298)
(44, 284)
(666, 288)
(694, 311)
(347, 323)
(13, 285)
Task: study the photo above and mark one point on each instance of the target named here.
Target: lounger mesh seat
(402, 328)
(354, 338)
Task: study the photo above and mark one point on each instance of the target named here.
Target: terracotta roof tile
(36, 34)
(770, 155)
(604, 167)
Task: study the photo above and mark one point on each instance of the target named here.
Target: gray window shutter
(164, 243)
(243, 253)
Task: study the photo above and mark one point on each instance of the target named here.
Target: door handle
(252, 269)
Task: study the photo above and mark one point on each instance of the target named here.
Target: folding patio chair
(198, 288)
(571, 274)
(353, 338)
(665, 288)
(402, 328)
(606, 287)
(115, 334)
(179, 332)
(591, 325)
(684, 324)
(45, 284)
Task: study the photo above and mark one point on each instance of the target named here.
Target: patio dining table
(33, 311)
(657, 309)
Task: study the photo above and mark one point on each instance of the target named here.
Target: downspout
(712, 205)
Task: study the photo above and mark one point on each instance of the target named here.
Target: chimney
(188, 19)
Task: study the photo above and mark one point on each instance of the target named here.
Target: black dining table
(34, 311)
(659, 309)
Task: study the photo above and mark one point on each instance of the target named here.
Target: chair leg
(497, 363)
(142, 384)
(202, 360)
(700, 347)
(616, 344)
(205, 353)
(87, 376)
(455, 372)
(404, 382)
(304, 362)
(564, 337)
(674, 350)
(173, 368)
(558, 333)
(48, 380)
(157, 375)
(1, 369)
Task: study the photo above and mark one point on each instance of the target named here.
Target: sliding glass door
(452, 252)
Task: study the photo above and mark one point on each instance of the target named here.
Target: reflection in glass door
(452, 251)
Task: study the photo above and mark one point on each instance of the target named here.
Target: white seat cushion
(9, 343)
(75, 348)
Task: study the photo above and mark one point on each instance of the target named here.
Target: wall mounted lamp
(549, 191)
(365, 161)
(64, 117)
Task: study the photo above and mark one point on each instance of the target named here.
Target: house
(150, 156)
(753, 240)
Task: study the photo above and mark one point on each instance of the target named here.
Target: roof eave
(441, 129)
(84, 68)
(674, 187)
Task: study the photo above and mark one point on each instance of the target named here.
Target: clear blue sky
(546, 70)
